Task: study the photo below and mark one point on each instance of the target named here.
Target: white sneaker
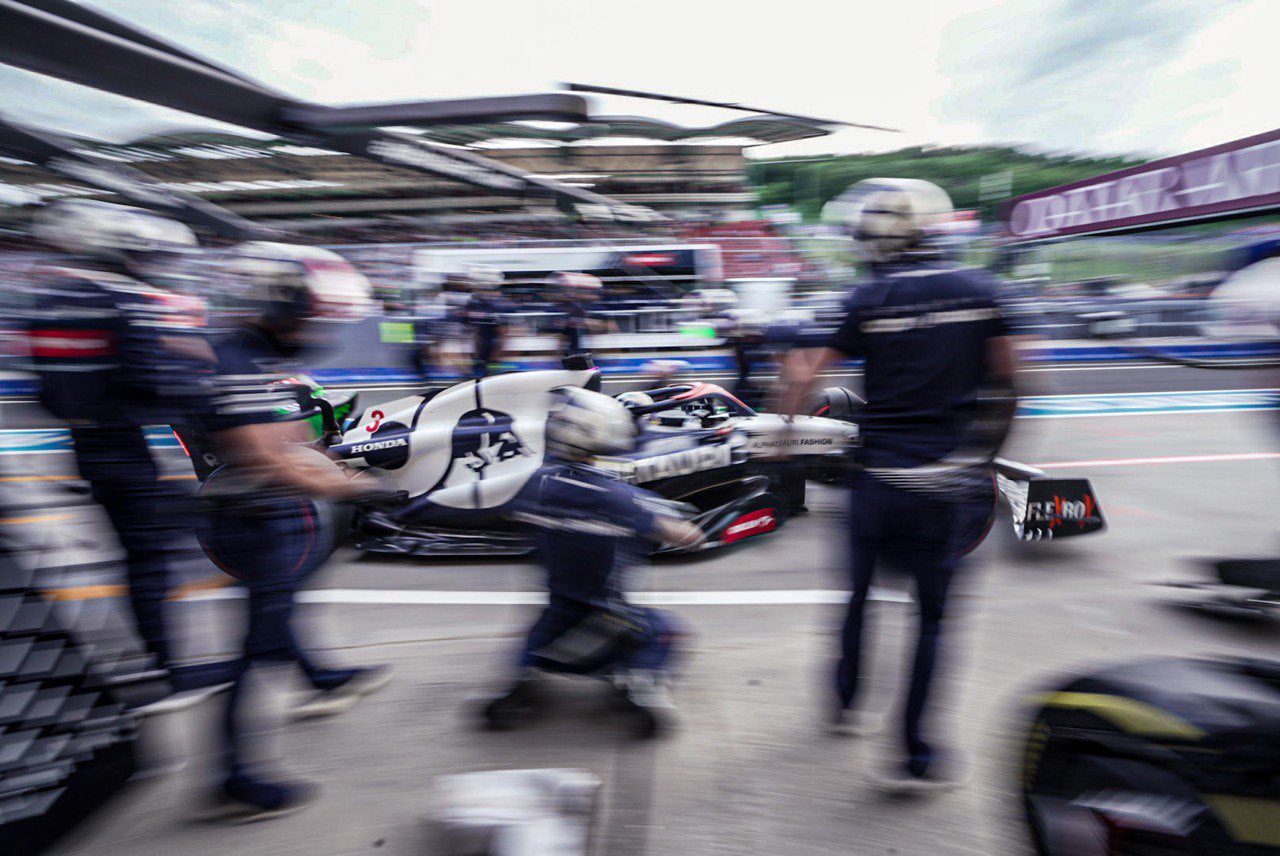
(938, 776)
(647, 694)
(846, 722)
(342, 698)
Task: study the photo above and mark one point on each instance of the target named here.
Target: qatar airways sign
(1239, 176)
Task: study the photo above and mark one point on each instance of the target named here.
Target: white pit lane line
(420, 597)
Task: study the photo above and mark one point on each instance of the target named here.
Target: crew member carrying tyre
(590, 527)
(933, 337)
(266, 521)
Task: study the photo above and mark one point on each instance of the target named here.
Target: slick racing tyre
(836, 402)
(234, 533)
(1080, 804)
(977, 518)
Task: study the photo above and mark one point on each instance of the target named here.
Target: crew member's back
(923, 330)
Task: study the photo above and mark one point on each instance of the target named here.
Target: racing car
(463, 453)
(1164, 756)
(460, 454)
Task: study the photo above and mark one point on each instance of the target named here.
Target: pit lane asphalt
(751, 771)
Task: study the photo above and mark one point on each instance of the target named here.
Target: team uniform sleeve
(242, 394)
(847, 339)
(639, 509)
(1003, 321)
(1017, 321)
(565, 501)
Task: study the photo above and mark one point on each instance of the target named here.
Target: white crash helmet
(116, 233)
(579, 284)
(889, 216)
(583, 423)
(749, 322)
(483, 277)
(634, 399)
(711, 301)
(302, 283)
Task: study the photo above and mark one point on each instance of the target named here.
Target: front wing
(1044, 508)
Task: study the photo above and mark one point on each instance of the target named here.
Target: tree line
(979, 177)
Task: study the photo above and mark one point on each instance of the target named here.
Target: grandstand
(686, 172)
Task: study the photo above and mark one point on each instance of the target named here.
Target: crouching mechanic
(591, 528)
(265, 524)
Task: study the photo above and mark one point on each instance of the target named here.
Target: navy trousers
(146, 513)
(276, 554)
(655, 649)
(920, 533)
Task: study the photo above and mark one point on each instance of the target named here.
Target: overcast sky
(1150, 76)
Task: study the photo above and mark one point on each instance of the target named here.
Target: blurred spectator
(482, 314)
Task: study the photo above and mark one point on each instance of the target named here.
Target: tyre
(1065, 807)
(836, 402)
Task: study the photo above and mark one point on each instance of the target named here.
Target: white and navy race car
(462, 453)
(456, 457)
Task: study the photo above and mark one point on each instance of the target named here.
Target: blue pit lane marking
(25, 441)
(58, 440)
(1147, 403)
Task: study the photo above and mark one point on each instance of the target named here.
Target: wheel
(977, 519)
(1064, 802)
(836, 402)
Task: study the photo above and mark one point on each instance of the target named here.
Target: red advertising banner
(1239, 176)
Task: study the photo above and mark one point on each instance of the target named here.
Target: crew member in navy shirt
(932, 336)
(266, 526)
(118, 348)
(482, 315)
(577, 293)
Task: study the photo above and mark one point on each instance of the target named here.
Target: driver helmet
(712, 301)
(146, 245)
(749, 322)
(581, 286)
(483, 278)
(889, 217)
(296, 284)
(583, 423)
(634, 399)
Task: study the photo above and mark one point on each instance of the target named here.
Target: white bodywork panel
(489, 465)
